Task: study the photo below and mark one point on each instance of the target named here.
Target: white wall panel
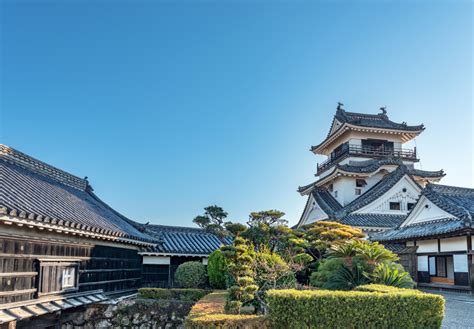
(454, 244)
(460, 263)
(427, 246)
(156, 260)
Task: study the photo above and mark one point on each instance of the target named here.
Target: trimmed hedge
(373, 287)
(191, 295)
(397, 308)
(209, 313)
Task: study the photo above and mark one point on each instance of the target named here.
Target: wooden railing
(372, 152)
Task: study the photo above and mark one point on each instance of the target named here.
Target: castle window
(358, 191)
(69, 277)
(410, 205)
(360, 182)
(394, 205)
(335, 194)
(330, 188)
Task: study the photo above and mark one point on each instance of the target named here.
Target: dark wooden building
(60, 245)
(62, 248)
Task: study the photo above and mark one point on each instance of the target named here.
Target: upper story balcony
(382, 151)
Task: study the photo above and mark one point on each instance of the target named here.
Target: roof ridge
(440, 188)
(179, 228)
(28, 162)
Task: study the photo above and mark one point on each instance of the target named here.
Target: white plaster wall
(205, 261)
(427, 246)
(312, 212)
(426, 211)
(156, 260)
(395, 194)
(345, 187)
(454, 244)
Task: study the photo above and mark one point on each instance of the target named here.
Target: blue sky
(170, 106)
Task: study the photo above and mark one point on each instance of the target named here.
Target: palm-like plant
(347, 278)
(374, 253)
(392, 274)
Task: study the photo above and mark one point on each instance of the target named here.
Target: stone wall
(129, 313)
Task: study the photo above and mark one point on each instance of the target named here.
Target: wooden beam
(110, 270)
(108, 281)
(16, 292)
(17, 274)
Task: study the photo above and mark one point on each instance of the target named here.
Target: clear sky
(170, 106)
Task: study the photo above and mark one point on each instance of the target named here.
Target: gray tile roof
(373, 120)
(326, 201)
(370, 166)
(399, 248)
(184, 240)
(380, 121)
(458, 201)
(422, 230)
(373, 220)
(32, 189)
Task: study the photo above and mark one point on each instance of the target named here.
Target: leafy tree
(268, 217)
(212, 220)
(217, 270)
(235, 229)
(271, 272)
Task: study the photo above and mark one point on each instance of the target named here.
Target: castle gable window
(395, 206)
(360, 182)
(410, 205)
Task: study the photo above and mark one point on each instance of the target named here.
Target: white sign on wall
(460, 263)
(423, 263)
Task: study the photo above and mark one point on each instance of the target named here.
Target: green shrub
(216, 270)
(326, 270)
(209, 313)
(192, 295)
(191, 275)
(393, 308)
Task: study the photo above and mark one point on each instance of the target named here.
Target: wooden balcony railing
(371, 152)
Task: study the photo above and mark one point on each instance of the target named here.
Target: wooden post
(12, 325)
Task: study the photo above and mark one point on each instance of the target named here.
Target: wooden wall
(99, 267)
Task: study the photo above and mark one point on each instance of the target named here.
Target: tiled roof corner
(14, 156)
(33, 190)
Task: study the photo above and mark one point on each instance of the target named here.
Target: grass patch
(209, 313)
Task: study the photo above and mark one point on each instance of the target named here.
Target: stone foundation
(129, 313)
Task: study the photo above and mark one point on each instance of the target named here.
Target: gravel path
(459, 311)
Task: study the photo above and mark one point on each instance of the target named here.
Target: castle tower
(368, 179)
